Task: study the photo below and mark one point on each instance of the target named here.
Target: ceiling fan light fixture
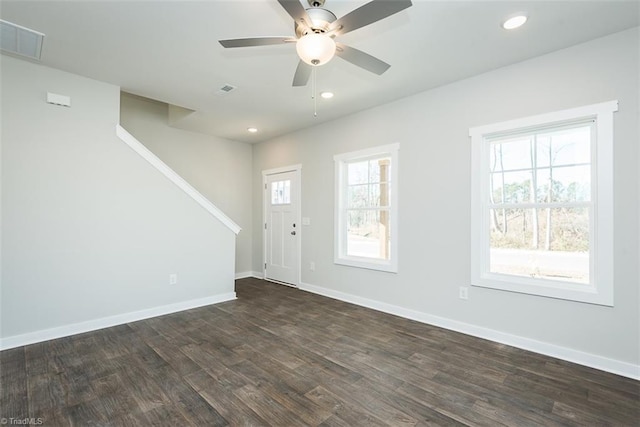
(252, 129)
(316, 48)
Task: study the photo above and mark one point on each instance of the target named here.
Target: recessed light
(326, 95)
(252, 130)
(514, 22)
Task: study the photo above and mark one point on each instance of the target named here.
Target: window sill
(585, 293)
(368, 264)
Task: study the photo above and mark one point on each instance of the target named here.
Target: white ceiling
(168, 51)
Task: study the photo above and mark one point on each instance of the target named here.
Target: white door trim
(297, 169)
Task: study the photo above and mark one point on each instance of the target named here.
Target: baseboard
(106, 322)
(245, 274)
(624, 369)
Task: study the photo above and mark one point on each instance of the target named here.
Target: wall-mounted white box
(54, 98)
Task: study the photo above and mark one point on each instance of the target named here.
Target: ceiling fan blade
(361, 59)
(296, 11)
(367, 14)
(256, 41)
(303, 72)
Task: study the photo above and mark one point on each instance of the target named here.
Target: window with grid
(366, 218)
(542, 205)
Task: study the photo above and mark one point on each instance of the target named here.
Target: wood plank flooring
(280, 356)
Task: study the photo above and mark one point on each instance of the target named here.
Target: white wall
(90, 230)
(219, 169)
(432, 129)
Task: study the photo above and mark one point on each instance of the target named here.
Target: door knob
(293, 233)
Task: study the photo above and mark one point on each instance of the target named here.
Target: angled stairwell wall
(91, 231)
(218, 168)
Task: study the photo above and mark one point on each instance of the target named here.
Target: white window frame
(340, 223)
(599, 290)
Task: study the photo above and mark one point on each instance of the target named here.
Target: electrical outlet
(464, 292)
(173, 279)
(312, 266)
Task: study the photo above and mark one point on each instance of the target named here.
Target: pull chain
(313, 93)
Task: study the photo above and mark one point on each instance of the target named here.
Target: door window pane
(281, 192)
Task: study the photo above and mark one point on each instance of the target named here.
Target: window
(281, 192)
(542, 205)
(366, 208)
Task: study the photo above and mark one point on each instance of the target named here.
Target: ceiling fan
(315, 30)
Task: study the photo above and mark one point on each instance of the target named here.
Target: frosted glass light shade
(316, 49)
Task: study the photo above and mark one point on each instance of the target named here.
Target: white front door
(282, 230)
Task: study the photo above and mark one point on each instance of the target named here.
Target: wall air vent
(20, 40)
(225, 89)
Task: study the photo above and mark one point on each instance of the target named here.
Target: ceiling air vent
(20, 40)
(225, 89)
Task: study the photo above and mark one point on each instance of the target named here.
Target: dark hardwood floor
(284, 357)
